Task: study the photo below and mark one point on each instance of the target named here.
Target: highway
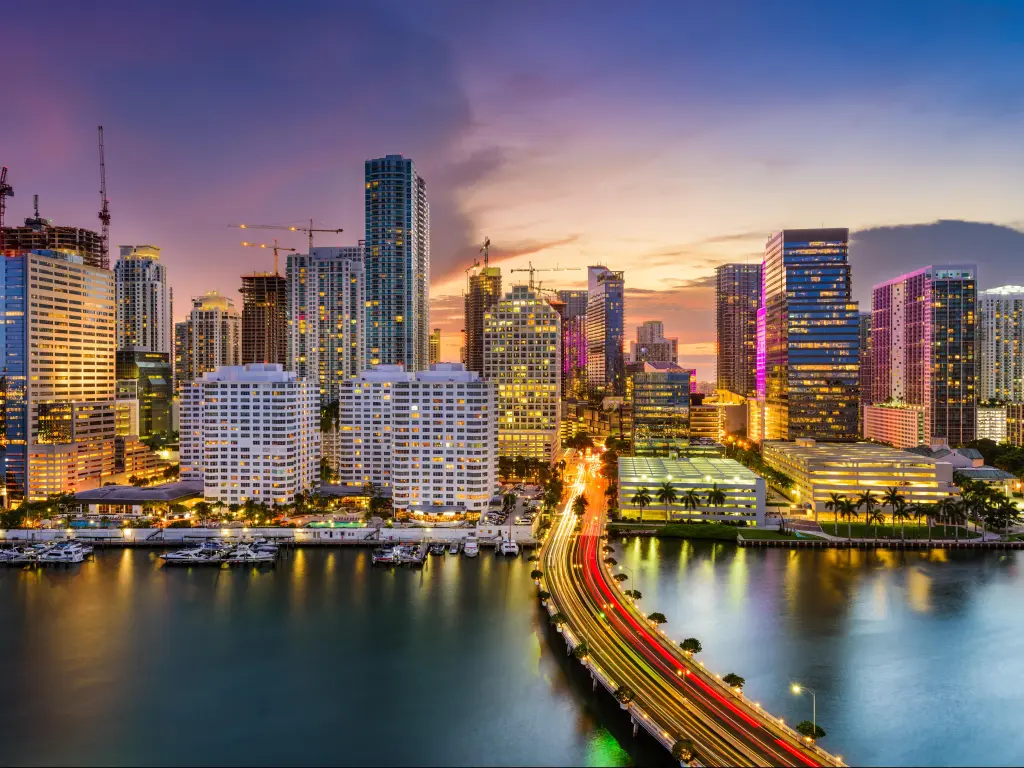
(676, 695)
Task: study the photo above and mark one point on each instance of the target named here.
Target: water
(916, 658)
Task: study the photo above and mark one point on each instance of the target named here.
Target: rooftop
(127, 494)
(695, 469)
(257, 373)
(810, 450)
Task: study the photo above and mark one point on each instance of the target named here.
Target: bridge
(674, 696)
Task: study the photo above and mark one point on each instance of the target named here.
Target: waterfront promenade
(674, 697)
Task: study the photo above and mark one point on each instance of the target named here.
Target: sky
(659, 138)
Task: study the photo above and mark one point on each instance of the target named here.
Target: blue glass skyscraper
(397, 264)
(606, 324)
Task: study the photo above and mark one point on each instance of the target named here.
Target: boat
(17, 555)
(508, 547)
(263, 545)
(183, 555)
(471, 548)
(437, 548)
(245, 554)
(384, 556)
(453, 548)
(63, 552)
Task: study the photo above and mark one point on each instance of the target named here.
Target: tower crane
(532, 269)
(6, 190)
(276, 248)
(485, 249)
(104, 214)
(310, 229)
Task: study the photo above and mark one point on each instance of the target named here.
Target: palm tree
(508, 502)
(667, 496)
(683, 750)
(690, 500)
(848, 510)
(716, 497)
(833, 505)
(901, 512)
(642, 498)
(893, 499)
(874, 518)
(956, 513)
(579, 504)
(868, 502)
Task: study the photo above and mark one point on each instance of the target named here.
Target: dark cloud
(881, 253)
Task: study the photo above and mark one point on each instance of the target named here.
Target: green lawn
(889, 531)
(760, 533)
(712, 531)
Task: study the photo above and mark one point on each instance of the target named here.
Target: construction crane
(310, 229)
(104, 214)
(485, 249)
(531, 269)
(276, 248)
(6, 190)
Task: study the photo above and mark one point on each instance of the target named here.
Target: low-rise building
(992, 423)
(821, 469)
(1015, 424)
(896, 424)
(743, 492)
(969, 464)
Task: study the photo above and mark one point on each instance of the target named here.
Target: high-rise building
(483, 291)
(866, 362)
(250, 432)
(211, 337)
(264, 318)
(427, 439)
(327, 317)
(1001, 343)
(808, 338)
(521, 354)
(435, 346)
(40, 234)
(660, 399)
(151, 375)
(57, 390)
(1015, 424)
(652, 346)
(574, 343)
(992, 421)
(397, 264)
(143, 300)
(606, 322)
(923, 328)
(737, 297)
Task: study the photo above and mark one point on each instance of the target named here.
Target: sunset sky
(657, 138)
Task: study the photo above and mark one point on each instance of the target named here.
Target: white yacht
(63, 552)
(183, 555)
(244, 553)
(471, 547)
(508, 547)
(453, 548)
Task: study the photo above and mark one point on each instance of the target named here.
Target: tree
(716, 497)
(558, 619)
(582, 650)
(620, 577)
(330, 417)
(683, 750)
(642, 498)
(734, 681)
(810, 730)
(657, 618)
(848, 510)
(542, 595)
(867, 502)
(202, 512)
(506, 467)
(508, 502)
(634, 594)
(536, 575)
(691, 645)
(624, 694)
(901, 512)
(874, 518)
(690, 500)
(580, 504)
(894, 500)
(956, 513)
(326, 472)
(667, 496)
(833, 505)
(521, 466)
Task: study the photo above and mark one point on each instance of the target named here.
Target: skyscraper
(264, 318)
(606, 321)
(1001, 343)
(652, 346)
(327, 317)
(151, 379)
(737, 297)
(808, 338)
(143, 300)
(483, 291)
(39, 234)
(210, 337)
(923, 329)
(397, 264)
(574, 343)
(57, 390)
(435, 346)
(866, 363)
(521, 343)
(660, 396)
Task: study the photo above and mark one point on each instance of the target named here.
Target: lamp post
(797, 689)
(632, 579)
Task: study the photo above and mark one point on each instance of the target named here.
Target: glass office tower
(737, 296)
(661, 408)
(397, 264)
(155, 389)
(808, 329)
(606, 329)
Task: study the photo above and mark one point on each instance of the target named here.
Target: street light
(632, 578)
(797, 689)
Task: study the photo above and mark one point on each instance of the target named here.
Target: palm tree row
(667, 496)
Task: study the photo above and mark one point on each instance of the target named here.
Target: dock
(796, 543)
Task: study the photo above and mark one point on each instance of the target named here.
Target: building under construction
(482, 292)
(264, 318)
(41, 234)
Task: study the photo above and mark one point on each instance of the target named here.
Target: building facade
(435, 346)
(397, 264)
(992, 421)
(250, 432)
(58, 387)
(737, 297)
(1001, 343)
(574, 343)
(898, 425)
(866, 361)
(1015, 424)
(154, 389)
(144, 319)
(39, 234)
(660, 400)
(521, 355)
(264, 319)
(606, 323)
(652, 346)
(808, 338)
(211, 337)
(923, 346)
(483, 291)
(327, 317)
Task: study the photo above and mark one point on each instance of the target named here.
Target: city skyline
(920, 164)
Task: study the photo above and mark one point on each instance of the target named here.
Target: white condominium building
(250, 432)
(211, 337)
(521, 355)
(1001, 344)
(143, 300)
(429, 437)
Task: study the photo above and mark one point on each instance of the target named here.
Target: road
(678, 695)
